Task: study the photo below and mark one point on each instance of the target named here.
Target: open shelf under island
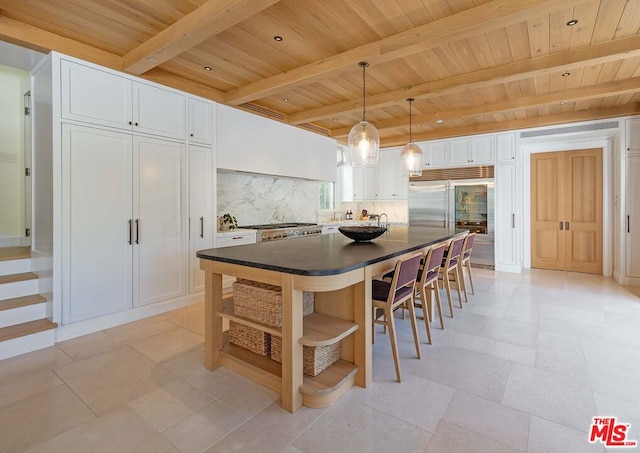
(339, 272)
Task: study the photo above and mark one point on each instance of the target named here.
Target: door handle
(513, 220)
(201, 227)
(561, 226)
(137, 231)
(566, 226)
(130, 231)
(628, 225)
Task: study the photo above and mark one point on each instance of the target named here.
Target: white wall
(14, 83)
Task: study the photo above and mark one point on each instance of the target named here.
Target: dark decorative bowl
(362, 233)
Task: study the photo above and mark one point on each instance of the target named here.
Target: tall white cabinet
(506, 212)
(632, 208)
(137, 199)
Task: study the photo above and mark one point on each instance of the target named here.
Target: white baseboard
(11, 241)
(28, 343)
(92, 325)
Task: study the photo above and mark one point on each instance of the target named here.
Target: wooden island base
(343, 310)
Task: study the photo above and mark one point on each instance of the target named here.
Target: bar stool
(387, 296)
(451, 264)
(465, 263)
(428, 282)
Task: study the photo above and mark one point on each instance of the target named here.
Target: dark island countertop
(328, 254)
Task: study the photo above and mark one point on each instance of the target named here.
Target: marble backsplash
(258, 199)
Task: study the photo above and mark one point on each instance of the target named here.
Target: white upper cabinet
(102, 97)
(158, 111)
(506, 148)
(392, 180)
(435, 154)
(251, 143)
(633, 136)
(461, 151)
(96, 96)
(472, 151)
(201, 119)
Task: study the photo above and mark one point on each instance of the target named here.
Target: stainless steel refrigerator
(464, 203)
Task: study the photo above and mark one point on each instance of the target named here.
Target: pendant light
(411, 154)
(364, 139)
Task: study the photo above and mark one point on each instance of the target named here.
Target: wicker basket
(254, 340)
(263, 303)
(314, 359)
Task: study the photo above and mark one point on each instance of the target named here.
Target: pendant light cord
(410, 132)
(364, 64)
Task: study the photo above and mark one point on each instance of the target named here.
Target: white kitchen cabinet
(96, 96)
(392, 179)
(632, 219)
(506, 256)
(435, 154)
(251, 143)
(158, 111)
(200, 116)
(633, 136)
(123, 228)
(201, 171)
(97, 228)
(358, 183)
(230, 239)
(506, 148)
(102, 97)
(472, 151)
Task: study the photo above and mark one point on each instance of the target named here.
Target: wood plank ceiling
(477, 65)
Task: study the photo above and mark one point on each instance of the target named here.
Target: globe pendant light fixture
(364, 139)
(411, 154)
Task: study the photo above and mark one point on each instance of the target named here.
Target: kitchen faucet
(383, 214)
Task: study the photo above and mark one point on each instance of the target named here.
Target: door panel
(161, 253)
(633, 217)
(545, 207)
(97, 256)
(583, 210)
(200, 211)
(566, 210)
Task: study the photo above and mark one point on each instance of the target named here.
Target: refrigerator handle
(513, 220)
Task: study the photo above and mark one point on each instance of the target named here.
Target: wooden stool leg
(414, 326)
(457, 274)
(434, 286)
(462, 283)
(373, 327)
(426, 315)
(468, 266)
(394, 342)
(447, 285)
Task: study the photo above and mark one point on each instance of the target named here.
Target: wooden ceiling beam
(208, 20)
(21, 34)
(172, 80)
(560, 61)
(502, 126)
(481, 19)
(613, 88)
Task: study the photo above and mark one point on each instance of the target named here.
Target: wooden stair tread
(26, 328)
(23, 301)
(13, 278)
(14, 253)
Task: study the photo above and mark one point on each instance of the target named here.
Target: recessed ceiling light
(152, 60)
(563, 102)
(572, 22)
(335, 120)
(207, 68)
(285, 99)
(566, 74)
(277, 38)
(439, 121)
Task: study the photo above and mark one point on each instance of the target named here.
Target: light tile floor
(524, 366)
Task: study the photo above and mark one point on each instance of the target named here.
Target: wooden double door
(566, 210)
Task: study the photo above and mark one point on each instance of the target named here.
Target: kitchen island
(339, 272)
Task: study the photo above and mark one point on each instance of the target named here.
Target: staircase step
(26, 328)
(14, 253)
(23, 301)
(13, 278)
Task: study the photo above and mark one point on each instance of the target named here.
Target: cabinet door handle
(561, 226)
(513, 220)
(136, 124)
(566, 226)
(628, 225)
(130, 123)
(201, 227)
(137, 231)
(130, 232)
